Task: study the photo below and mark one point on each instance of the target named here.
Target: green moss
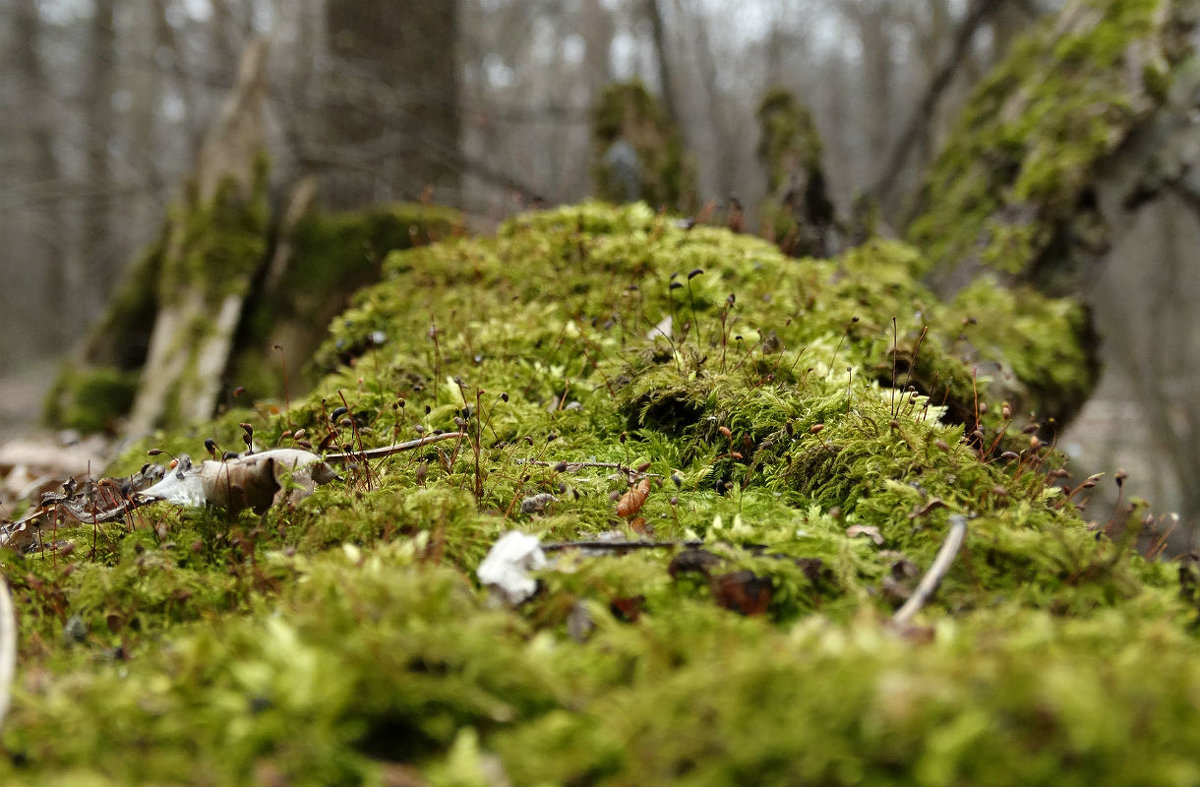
(333, 256)
(90, 400)
(345, 639)
(1014, 176)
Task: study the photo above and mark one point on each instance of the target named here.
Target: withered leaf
(933, 503)
(245, 482)
(742, 591)
(866, 530)
(628, 609)
(632, 501)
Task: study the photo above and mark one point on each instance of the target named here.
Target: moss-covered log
(346, 639)
(801, 439)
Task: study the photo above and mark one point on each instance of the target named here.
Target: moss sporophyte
(732, 505)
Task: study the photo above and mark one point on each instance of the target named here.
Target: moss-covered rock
(817, 425)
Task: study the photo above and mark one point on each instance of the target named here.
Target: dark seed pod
(338, 413)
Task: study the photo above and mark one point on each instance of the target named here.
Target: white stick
(933, 577)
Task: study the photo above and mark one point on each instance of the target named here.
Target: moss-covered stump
(751, 402)
(1019, 188)
(798, 213)
(333, 255)
(638, 152)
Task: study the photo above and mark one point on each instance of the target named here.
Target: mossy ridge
(1008, 185)
(780, 441)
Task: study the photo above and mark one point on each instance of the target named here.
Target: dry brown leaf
(632, 501)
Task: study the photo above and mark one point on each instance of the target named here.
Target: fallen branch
(618, 545)
(251, 480)
(568, 467)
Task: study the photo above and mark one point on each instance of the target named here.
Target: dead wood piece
(933, 577)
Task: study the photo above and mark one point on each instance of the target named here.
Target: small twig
(8, 647)
(618, 545)
(566, 467)
(933, 577)
(395, 448)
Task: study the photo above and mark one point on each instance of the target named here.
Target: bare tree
(44, 225)
(391, 100)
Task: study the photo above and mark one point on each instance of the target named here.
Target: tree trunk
(392, 100)
(213, 246)
(96, 240)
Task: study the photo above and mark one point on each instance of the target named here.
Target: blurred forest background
(487, 106)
